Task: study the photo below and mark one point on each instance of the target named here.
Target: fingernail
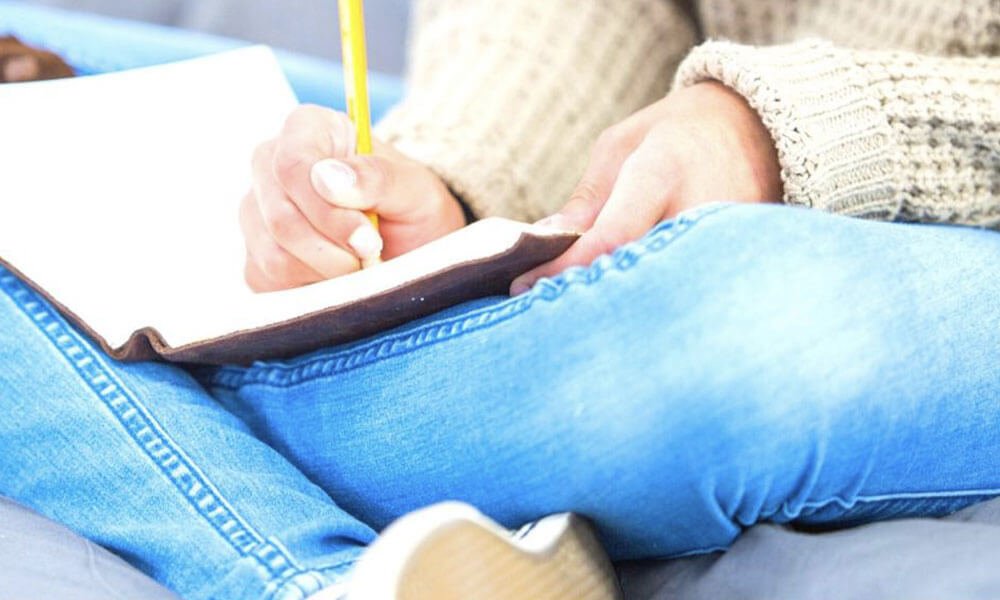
(366, 242)
(337, 183)
(520, 286)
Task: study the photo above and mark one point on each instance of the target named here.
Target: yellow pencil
(355, 58)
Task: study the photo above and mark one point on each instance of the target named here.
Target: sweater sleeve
(505, 98)
(876, 134)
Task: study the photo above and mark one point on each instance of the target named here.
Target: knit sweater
(886, 109)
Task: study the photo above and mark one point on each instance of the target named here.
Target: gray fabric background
(955, 558)
(307, 26)
(42, 560)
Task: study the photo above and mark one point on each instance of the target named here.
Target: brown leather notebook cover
(118, 202)
(337, 324)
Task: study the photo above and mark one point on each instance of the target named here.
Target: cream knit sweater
(885, 109)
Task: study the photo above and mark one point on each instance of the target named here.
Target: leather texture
(337, 324)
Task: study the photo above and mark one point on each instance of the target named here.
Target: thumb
(386, 182)
(637, 202)
(580, 212)
(607, 163)
(594, 188)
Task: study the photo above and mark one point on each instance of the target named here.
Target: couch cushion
(40, 559)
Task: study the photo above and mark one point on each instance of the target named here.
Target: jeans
(737, 364)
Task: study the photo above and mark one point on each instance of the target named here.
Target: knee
(742, 451)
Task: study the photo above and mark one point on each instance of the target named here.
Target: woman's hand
(304, 219)
(699, 144)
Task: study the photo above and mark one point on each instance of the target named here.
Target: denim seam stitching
(294, 582)
(548, 290)
(336, 568)
(396, 345)
(135, 419)
(786, 511)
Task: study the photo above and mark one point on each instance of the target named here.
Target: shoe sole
(450, 551)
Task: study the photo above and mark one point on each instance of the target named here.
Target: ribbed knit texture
(836, 150)
(887, 109)
(507, 97)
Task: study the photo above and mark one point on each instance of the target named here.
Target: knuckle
(651, 178)
(612, 139)
(641, 163)
(587, 192)
(342, 134)
(652, 159)
(289, 166)
(320, 129)
(339, 119)
(375, 173)
(283, 223)
(262, 154)
(305, 117)
(664, 142)
(662, 133)
(277, 264)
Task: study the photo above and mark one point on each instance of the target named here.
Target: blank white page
(119, 196)
(119, 192)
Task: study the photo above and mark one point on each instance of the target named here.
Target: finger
(257, 280)
(346, 227)
(254, 278)
(387, 183)
(643, 191)
(310, 134)
(275, 269)
(290, 230)
(610, 151)
(269, 267)
(585, 203)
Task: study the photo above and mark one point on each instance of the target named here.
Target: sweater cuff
(836, 148)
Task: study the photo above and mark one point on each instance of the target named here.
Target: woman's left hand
(697, 145)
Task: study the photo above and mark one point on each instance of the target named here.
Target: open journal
(118, 202)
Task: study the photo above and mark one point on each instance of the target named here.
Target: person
(685, 370)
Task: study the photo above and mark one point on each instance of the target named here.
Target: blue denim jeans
(737, 364)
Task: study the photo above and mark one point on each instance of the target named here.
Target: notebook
(118, 202)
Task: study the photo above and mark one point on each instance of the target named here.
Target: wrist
(760, 168)
(758, 145)
(836, 148)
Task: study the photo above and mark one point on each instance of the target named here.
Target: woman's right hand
(304, 219)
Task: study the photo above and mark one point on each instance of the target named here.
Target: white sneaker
(450, 551)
